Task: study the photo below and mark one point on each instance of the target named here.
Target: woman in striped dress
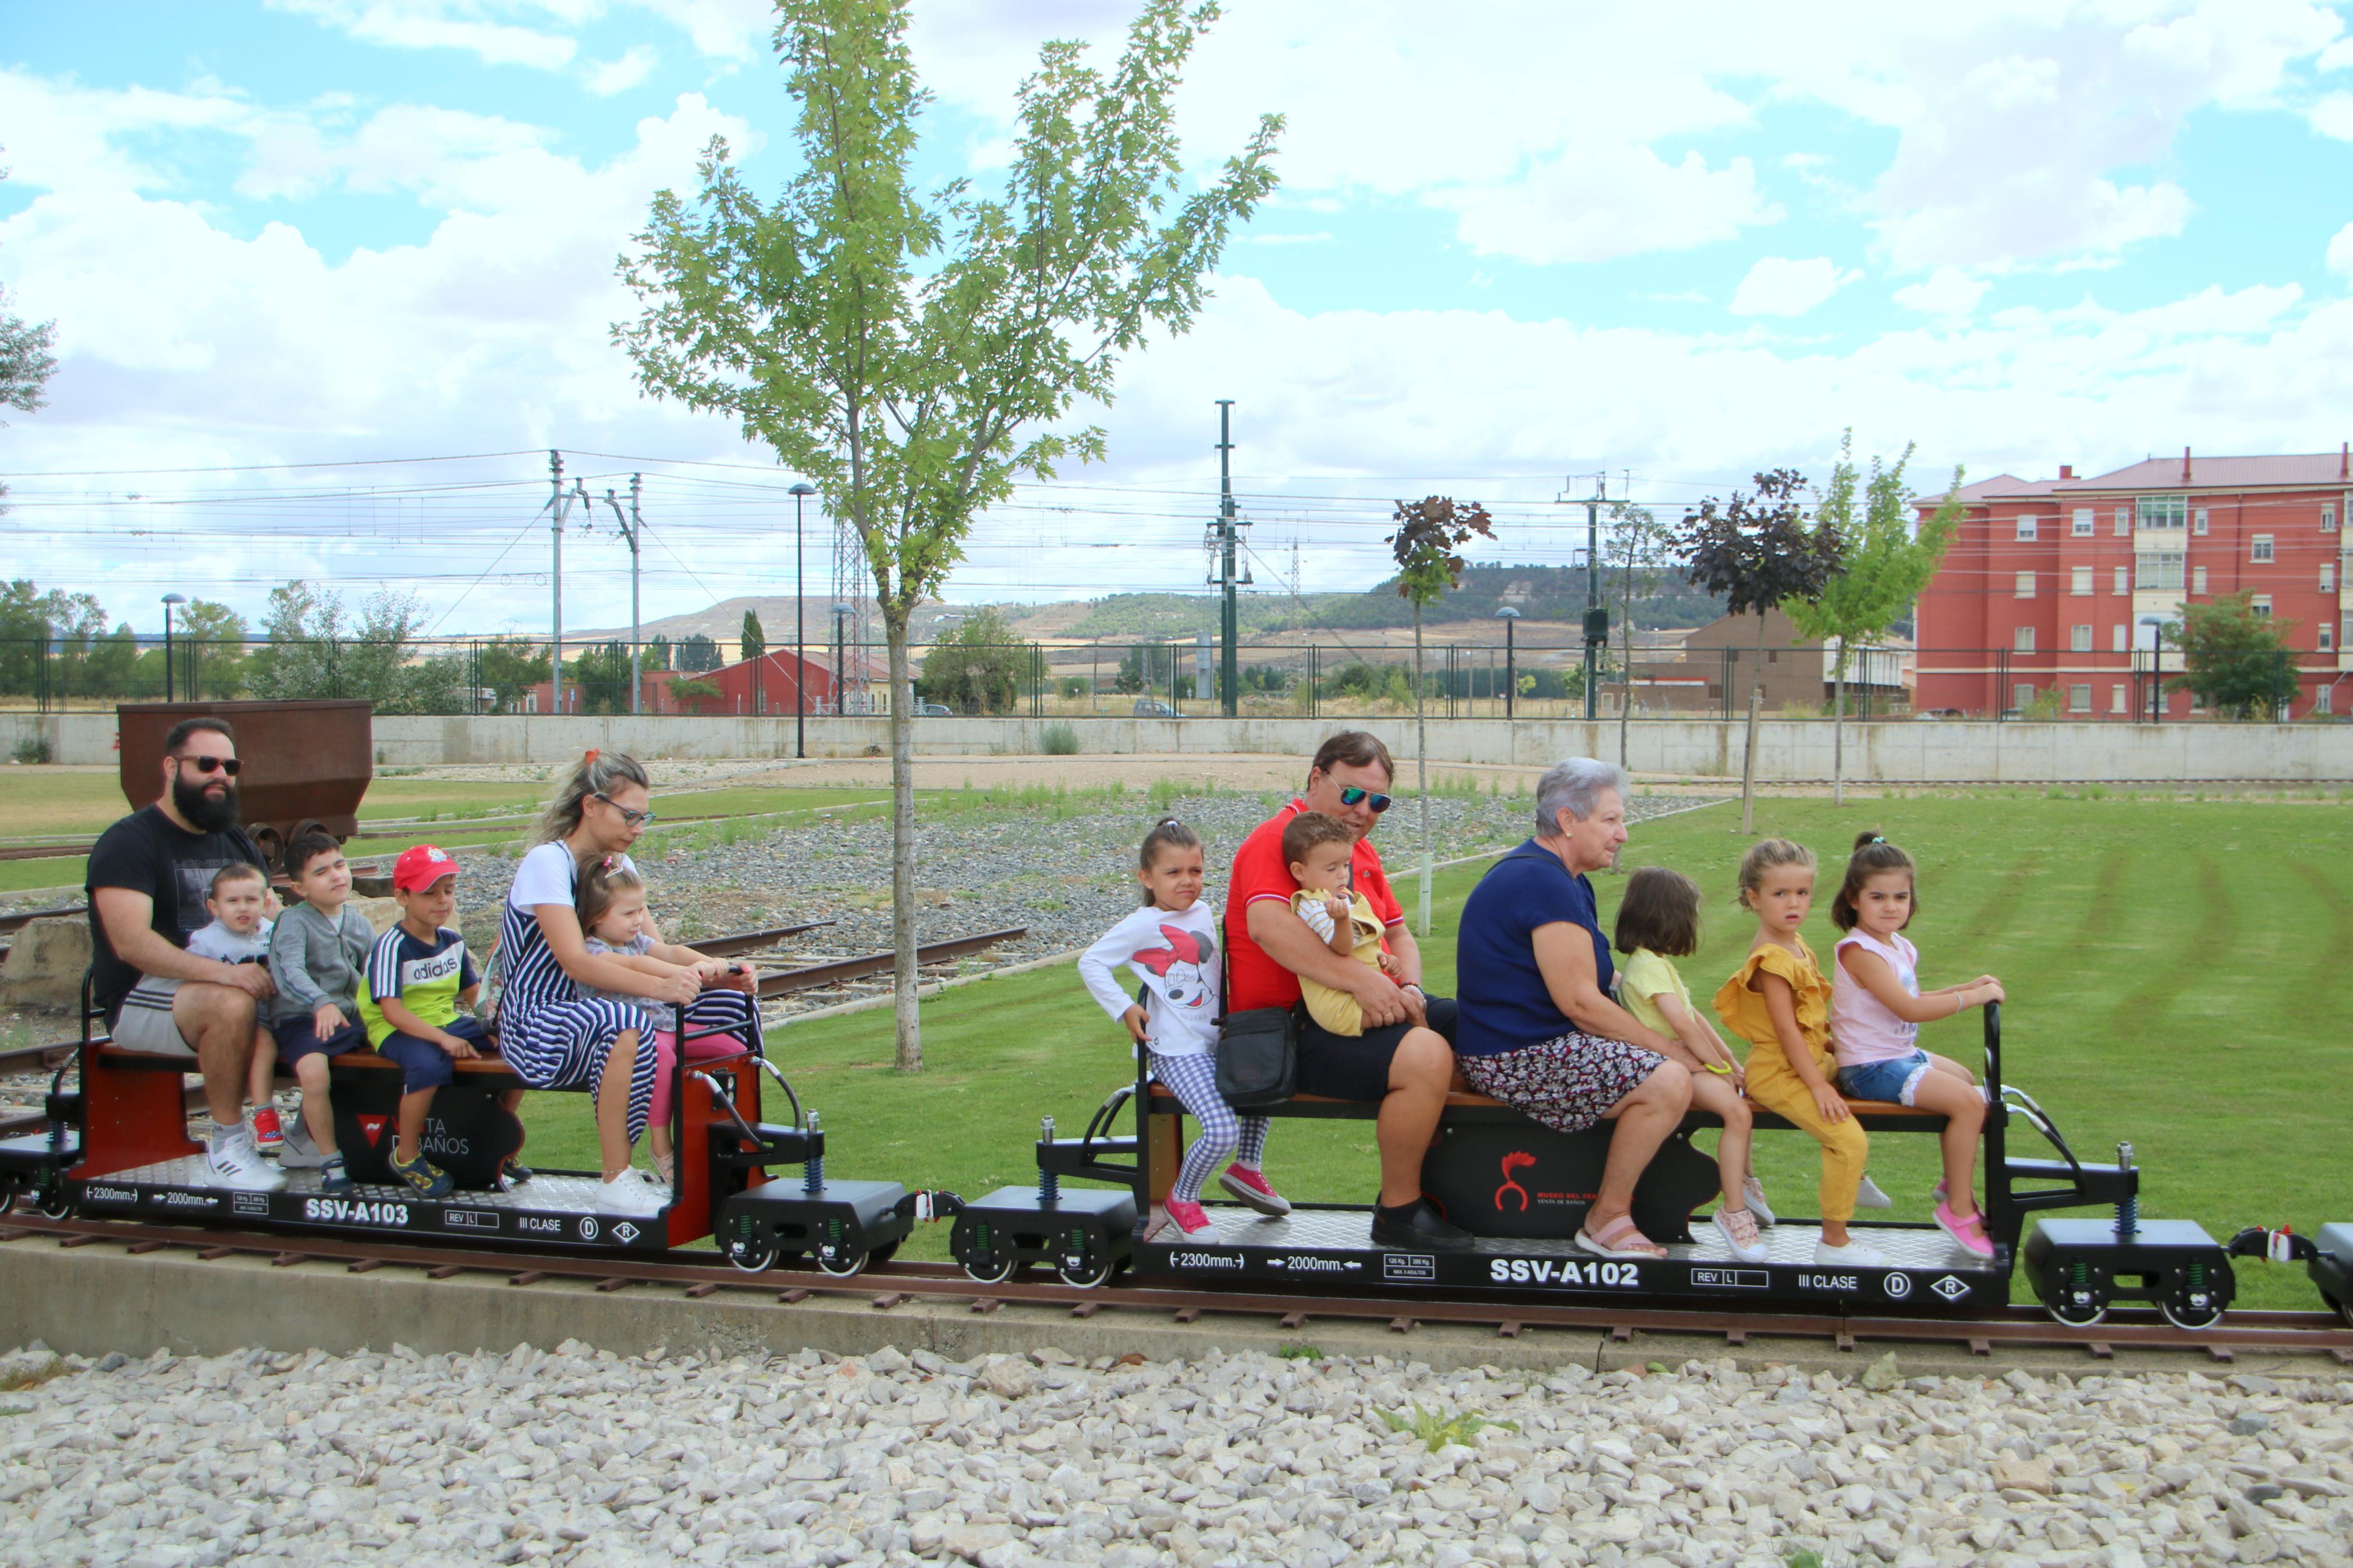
(552, 1032)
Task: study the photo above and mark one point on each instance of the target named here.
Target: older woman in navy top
(1538, 1028)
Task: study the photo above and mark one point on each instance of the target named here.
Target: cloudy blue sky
(1515, 243)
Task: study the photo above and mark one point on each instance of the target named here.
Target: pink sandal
(1613, 1241)
(1968, 1233)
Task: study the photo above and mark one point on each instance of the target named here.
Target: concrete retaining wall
(1789, 750)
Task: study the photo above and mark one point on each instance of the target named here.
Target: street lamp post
(1511, 619)
(2155, 625)
(799, 492)
(171, 689)
(841, 631)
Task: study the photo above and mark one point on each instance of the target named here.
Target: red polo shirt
(1252, 979)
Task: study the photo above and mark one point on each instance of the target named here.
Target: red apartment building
(2059, 585)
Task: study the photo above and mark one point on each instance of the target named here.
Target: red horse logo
(1513, 1162)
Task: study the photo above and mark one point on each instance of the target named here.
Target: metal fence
(1175, 677)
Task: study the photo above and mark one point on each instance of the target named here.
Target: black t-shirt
(149, 853)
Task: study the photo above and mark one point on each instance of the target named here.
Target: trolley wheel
(843, 1267)
(2076, 1318)
(56, 1202)
(882, 1255)
(2185, 1319)
(996, 1275)
(753, 1256)
(1086, 1279)
(2343, 1309)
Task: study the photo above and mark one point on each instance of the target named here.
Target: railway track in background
(895, 1283)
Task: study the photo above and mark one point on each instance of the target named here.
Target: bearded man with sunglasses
(148, 878)
(1404, 1060)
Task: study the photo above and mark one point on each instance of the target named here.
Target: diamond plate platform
(541, 1195)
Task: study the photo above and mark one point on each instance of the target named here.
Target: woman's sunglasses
(633, 818)
(1351, 795)
(230, 765)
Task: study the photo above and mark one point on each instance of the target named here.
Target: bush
(33, 748)
(1060, 741)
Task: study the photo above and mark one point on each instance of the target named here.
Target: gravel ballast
(582, 1457)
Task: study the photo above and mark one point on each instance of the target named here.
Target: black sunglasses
(1351, 795)
(633, 818)
(228, 765)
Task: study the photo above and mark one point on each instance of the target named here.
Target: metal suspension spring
(1050, 1185)
(2128, 1206)
(813, 1168)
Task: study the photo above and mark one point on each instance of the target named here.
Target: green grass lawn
(2172, 967)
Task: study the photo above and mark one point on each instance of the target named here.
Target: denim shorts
(1897, 1080)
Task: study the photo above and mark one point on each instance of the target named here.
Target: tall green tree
(1644, 552)
(915, 354)
(509, 666)
(1430, 534)
(1756, 550)
(213, 641)
(754, 642)
(697, 654)
(2236, 662)
(1883, 563)
(979, 666)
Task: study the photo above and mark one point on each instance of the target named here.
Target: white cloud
(1947, 292)
(2336, 57)
(2340, 252)
(2332, 116)
(1778, 286)
(609, 77)
(1321, 237)
(445, 24)
(1593, 202)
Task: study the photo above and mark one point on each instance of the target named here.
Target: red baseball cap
(420, 865)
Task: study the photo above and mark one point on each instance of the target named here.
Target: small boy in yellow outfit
(1318, 848)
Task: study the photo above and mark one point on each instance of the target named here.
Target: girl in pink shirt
(1876, 1011)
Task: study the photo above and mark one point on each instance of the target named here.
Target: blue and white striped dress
(549, 1032)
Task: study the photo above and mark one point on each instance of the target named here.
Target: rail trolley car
(116, 1146)
(1522, 1190)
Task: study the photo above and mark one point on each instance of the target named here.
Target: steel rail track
(808, 977)
(891, 1285)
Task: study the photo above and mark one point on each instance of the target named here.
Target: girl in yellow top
(1658, 922)
(1780, 1002)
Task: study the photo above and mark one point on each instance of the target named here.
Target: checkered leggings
(1225, 1132)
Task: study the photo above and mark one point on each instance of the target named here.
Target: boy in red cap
(417, 974)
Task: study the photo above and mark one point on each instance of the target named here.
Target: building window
(2084, 518)
(2022, 640)
(2124, 522)
(2328, 576)
(2124, 582)
(2198, 579)
(2080, 639)
(2263, 554)
(2327, 635)
(2198, 521)
(2079, 699)
(2025, 584)
(2120, 639)
(2080, 582)
(2022, 696)
(2260, 605)
(2328, 520)
(2118, 701)
(2026, 528)
(2158, 570)
(2164, 512)
(2320, 700)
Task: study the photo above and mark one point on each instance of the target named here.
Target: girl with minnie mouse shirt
(1171, 944)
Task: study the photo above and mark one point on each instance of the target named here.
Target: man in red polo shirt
(1403, 1061)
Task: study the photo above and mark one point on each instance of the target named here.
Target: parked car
(931, 710)
(1153, 708)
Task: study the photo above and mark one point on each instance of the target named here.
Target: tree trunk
(903, 1010)
(1625, 665)
(1422, 767)
(1838, 730)
(1748, 748)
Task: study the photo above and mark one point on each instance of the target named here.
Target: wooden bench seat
(1875, 1115)
(359, 1059)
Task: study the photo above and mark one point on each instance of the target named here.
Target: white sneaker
(300, 1152)
(625, 1194)
(1867, 1196)
(236, 1163)
(1854, 1255)
(1729, 1223)
(1752, 1195)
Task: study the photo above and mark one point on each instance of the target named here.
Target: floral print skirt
(1567, 1083)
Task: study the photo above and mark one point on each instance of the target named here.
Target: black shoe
(1418, 1227)
(334, 1178)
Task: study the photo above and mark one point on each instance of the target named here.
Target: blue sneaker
(423, 1178)
(333, 1178)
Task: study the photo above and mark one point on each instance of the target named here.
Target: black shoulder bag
(1257, 1051)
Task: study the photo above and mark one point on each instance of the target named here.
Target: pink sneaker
(1251, 1187)
(1189, 1221)
(1970, 1233)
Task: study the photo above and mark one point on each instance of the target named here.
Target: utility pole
(555, 528)
(630, 526)
(1597, 619)
(1225, 542)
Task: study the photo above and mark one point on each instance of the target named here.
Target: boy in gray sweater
(317, 953)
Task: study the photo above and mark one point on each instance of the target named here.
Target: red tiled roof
(2319, 469)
